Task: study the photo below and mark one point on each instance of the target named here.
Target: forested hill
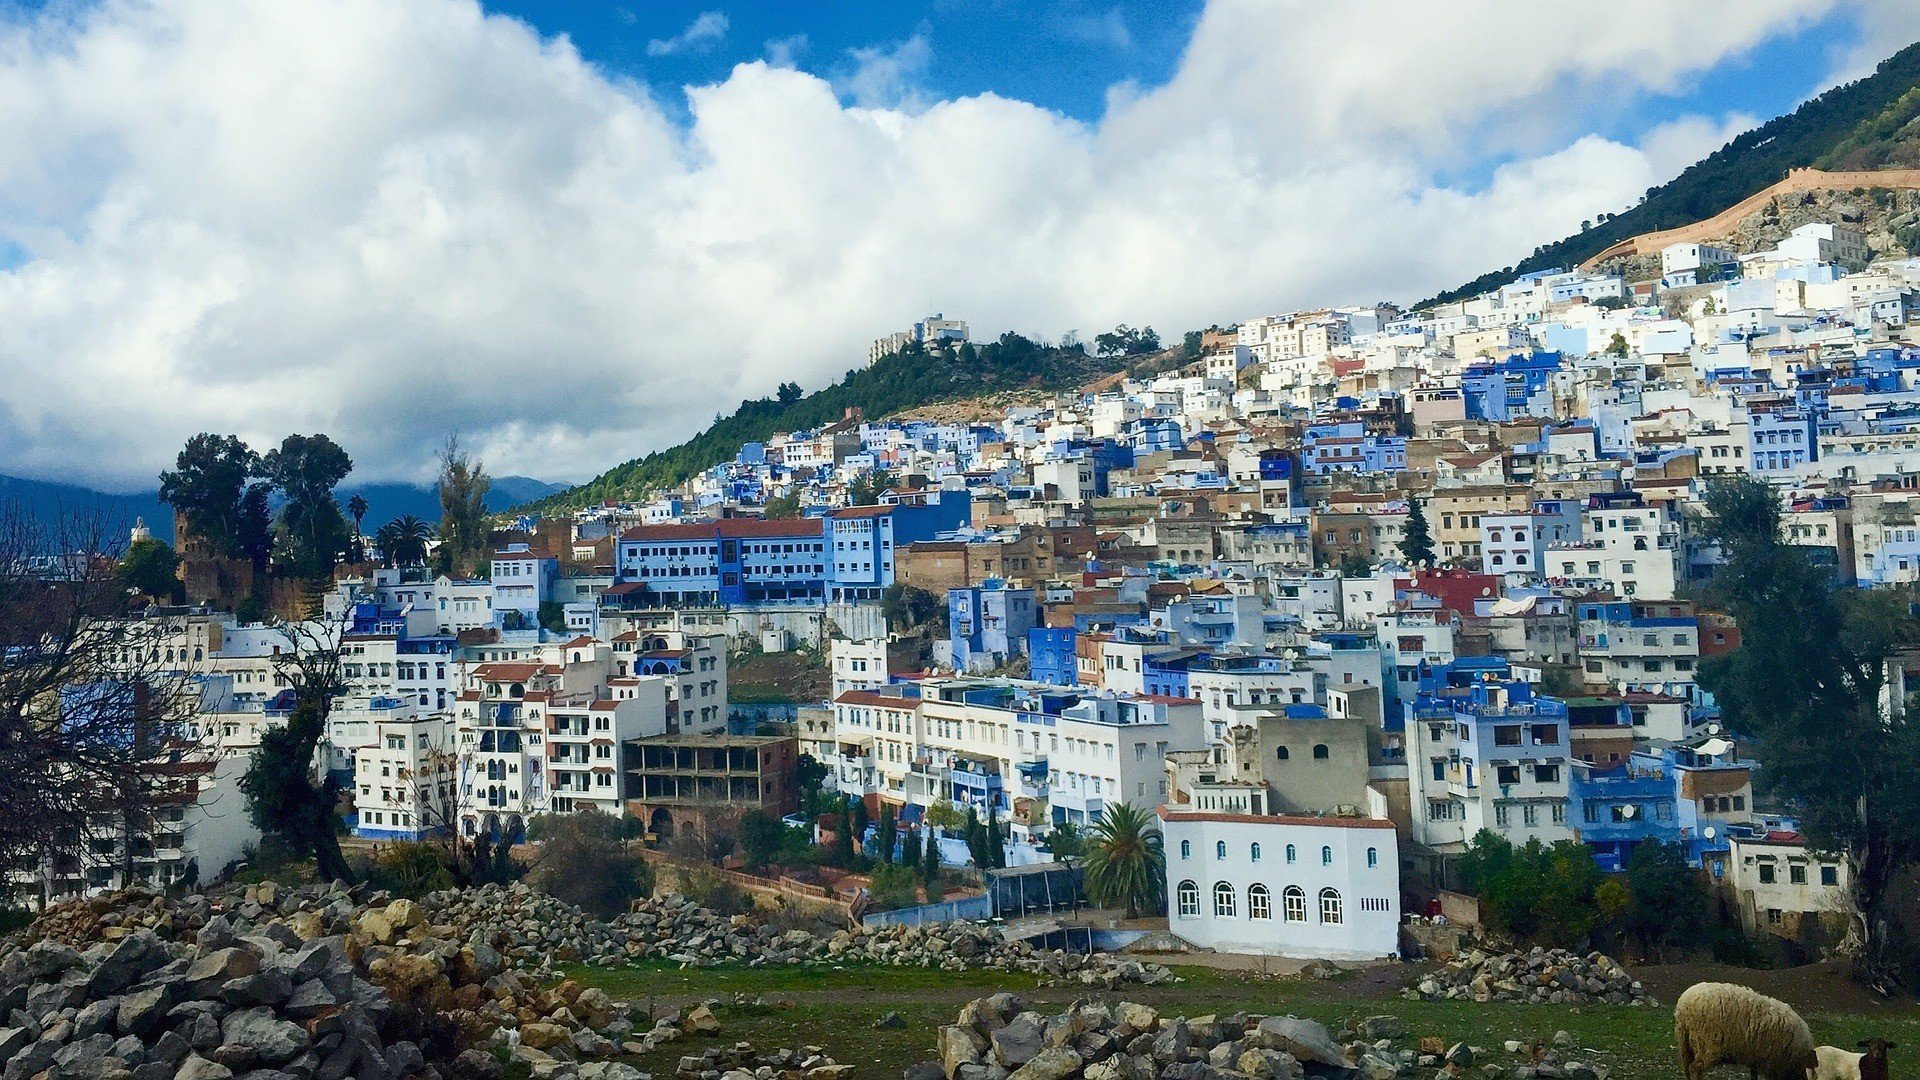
(1873, 123)
(895, 383)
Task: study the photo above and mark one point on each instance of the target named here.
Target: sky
(575, 232)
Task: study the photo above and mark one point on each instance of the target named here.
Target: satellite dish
(1707, 833)
(1629, 810)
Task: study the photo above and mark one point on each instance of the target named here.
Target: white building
(404, 781)
(1325, 888)
(1781, 888)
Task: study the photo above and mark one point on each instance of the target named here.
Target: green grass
(835, 1008)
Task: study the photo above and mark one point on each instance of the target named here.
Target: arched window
(1319, 751)
(1373, 857)
(1256, 851)
(1223, 906)
(1281, 753)
(1189, 898)
(1326, 856)
(1291, 853)
(1186, 849)
(1259, 904)
(1293, 904)
(1219, 849)
(1330, 906)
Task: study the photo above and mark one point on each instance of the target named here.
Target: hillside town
(1342, 593)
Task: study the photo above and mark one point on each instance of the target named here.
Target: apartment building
(1488, 755)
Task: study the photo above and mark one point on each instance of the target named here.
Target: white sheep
(1726, 1024)
(1833, 1063)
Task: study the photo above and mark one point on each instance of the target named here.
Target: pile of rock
(676, 930)
(1000, 1037)
(452, 977)
(1542, 975)
(266, 1004)
(741, 1062)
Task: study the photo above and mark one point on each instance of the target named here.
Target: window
(1223, 905)
(1797, 874)
(1186, 849)
(1189, 896)
(1220, 849)
(1326, 856)
(1829, 874)
(1330, 906)
(1293, 904)
(1544, 773)
(1259, 904)
(1319, 751)
(1280, 753)
(1766, 873)
(1373, 857)
(1290, 853)
(1255, 852)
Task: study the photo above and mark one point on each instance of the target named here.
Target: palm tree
(357, 506)
(1124, 863)
(403, 540)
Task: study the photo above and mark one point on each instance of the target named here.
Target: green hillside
(1868, 124)
(902, 381)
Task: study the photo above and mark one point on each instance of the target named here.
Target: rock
(1383, 1027)
(542, 1036)
(199, 1068)
(1053, 1063)
(1304, 1039)
(701, 1021)
(212, 970)
(891, 1020)
(277, 1041)
(140, 1011)
(1018, 1041)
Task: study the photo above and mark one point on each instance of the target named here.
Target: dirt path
(1821, 988)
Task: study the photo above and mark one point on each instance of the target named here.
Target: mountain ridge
(1871, 123)
(49, 501)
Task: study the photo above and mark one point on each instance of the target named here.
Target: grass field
(836, 1008)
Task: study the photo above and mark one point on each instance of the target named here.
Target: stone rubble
(1000, 1038)
(1542, 975)
(463, 970)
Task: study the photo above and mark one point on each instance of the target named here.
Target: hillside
(1869, 124)
(895, 384)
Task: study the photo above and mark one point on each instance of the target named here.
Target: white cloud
(389, 219)
(702, 33)
(786, 52)
(888, 76)
(1107, 30)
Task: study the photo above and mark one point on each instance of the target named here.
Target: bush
(711, 890)
(585, 861)
(409, 869)
(894, 887)
(13, 919)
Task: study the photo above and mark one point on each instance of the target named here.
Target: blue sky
(395, 219)
(1062, 54)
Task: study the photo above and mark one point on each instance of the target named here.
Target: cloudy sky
(574, 232)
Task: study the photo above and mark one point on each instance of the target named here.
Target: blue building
(1520, 385)
(1053, 655)
(861, 540)
(1781, 442)
(988, 624)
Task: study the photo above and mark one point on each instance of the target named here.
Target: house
(679, 782)
(1272, 885)
(1782, 888)
(987, 625)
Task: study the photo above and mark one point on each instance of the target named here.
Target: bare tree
(94, 724)
(289, 793)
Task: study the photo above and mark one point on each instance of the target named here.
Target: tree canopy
(1809, 681)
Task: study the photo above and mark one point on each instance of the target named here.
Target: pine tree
(930, 869)
(884, 834)
(1416, 545)
(996, 840)
(843, 839)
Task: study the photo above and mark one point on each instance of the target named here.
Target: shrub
(585, 861)
(894, 887)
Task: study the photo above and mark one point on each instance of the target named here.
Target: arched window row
(1293, 903)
